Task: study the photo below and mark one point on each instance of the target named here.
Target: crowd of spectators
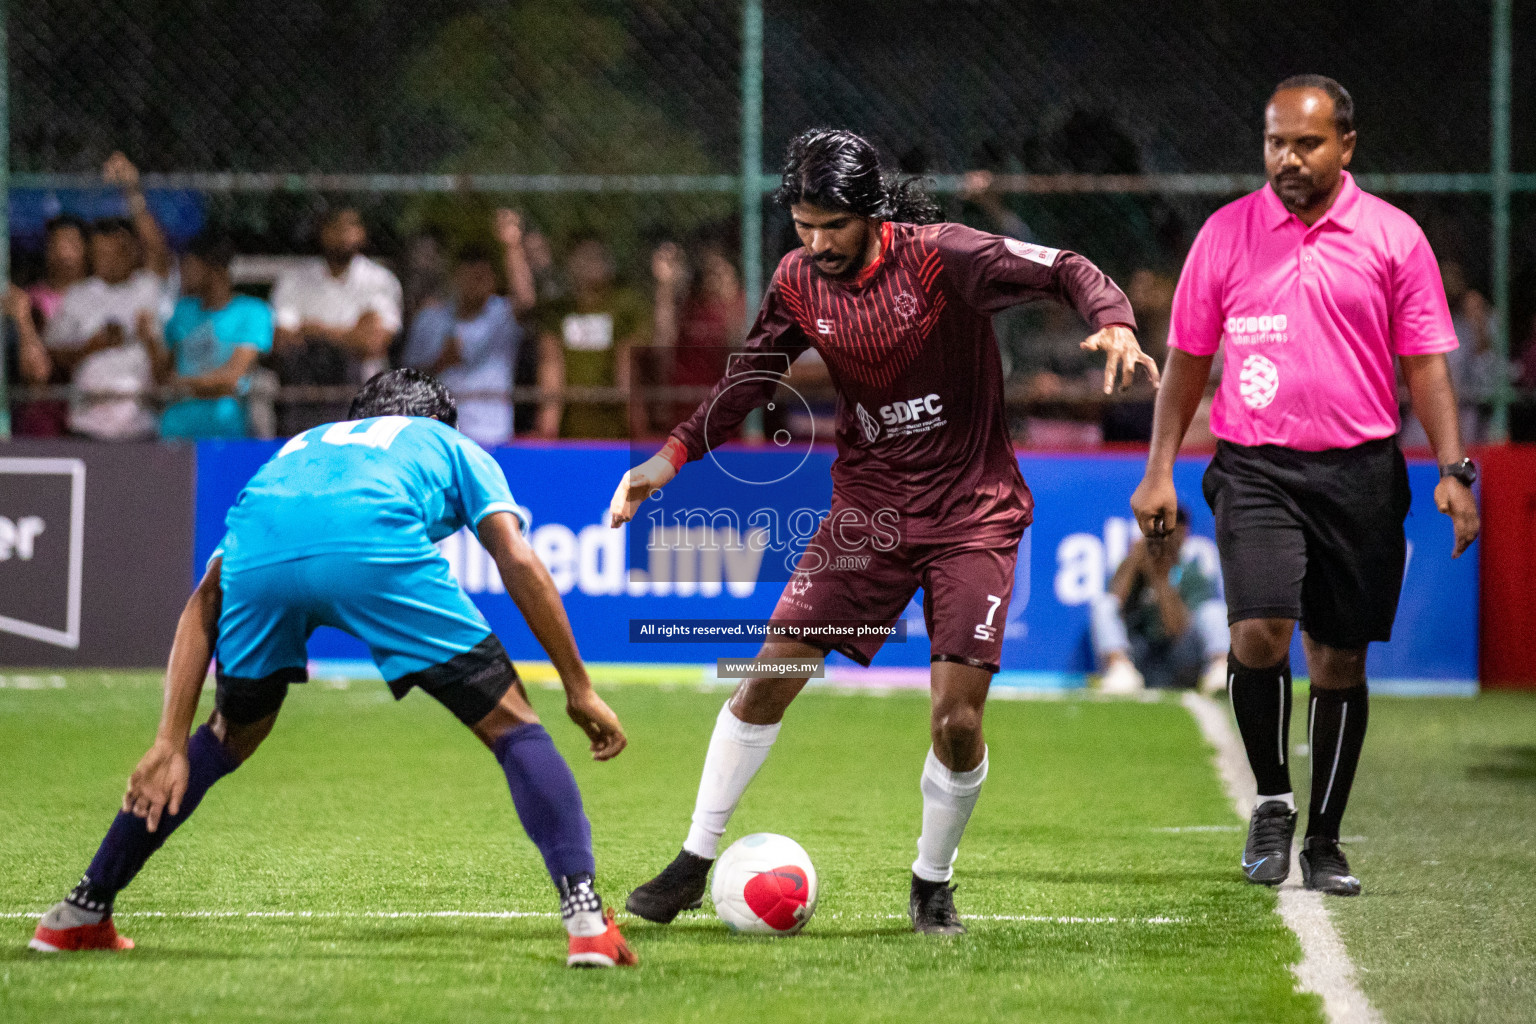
(124, 340)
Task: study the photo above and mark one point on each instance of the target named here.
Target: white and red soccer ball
(766, 884)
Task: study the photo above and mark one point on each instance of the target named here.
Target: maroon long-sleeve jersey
(910, 349)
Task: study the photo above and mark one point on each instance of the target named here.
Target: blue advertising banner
(720, 544)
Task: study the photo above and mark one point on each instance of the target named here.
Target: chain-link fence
(1114, 128)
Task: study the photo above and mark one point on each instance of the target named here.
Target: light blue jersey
(203, 340)
(385, 489)
(338, 529)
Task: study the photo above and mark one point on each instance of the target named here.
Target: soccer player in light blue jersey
(338, 529)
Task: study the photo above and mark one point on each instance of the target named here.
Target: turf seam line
(1325, 968)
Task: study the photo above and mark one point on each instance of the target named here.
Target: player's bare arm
(160, 779)
(1155, 502)
(536, 596)
(1434, 402)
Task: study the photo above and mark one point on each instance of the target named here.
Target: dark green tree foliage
(553, 87)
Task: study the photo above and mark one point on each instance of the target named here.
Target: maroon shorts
(966, 589)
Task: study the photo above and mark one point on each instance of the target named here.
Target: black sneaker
(1267, 857)
(932, 908)
(679, 887)
(1324, 869)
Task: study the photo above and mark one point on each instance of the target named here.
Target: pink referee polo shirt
(1309, 318)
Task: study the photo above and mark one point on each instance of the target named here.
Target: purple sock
(547, 800)
(129, 842)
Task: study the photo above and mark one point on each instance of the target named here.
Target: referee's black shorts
(1313, 536)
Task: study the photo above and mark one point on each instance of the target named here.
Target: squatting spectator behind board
(1162, 622)
(335, 317)
(95, 335)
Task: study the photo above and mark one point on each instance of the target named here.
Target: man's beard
(1298, 193)
(851, 266)
(842, 275)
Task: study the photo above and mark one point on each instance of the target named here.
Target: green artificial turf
(357, 806)
(1445, 808)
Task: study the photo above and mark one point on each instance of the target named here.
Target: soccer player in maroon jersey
(925, 483)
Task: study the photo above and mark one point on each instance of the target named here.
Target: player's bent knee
(956, 726)
(240, 739)
(1335, 668)
(512, 712)
(763, 701)
(1260, 643)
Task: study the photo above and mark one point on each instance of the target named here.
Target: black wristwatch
(1465, 471)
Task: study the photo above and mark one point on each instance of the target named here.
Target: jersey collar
(1344, 213)
(868, 273)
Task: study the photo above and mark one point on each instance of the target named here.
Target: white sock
(948, 799)
(736, 751)
(1289, 799)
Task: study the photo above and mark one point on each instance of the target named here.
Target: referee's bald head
(1343, 103)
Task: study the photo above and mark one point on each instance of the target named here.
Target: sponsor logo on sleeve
(1041, 254)
(1258, 382)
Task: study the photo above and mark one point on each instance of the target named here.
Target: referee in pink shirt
(1310, 287)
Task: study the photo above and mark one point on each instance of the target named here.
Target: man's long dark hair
(838, 170)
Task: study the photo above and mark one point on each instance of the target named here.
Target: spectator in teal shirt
(212, 342)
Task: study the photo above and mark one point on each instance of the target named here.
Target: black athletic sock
(1335, 734)
(1261, 702)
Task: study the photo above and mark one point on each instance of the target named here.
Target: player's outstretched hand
(636, 486)
(598, 721)
(1122, 355)
(1455, 499)
(1155, 504)
(157, 784)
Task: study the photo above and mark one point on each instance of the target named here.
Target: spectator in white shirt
(335, 319)
(103, 324)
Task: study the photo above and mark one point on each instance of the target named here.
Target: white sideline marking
(33, 915)
(1325, 967)
(1200, 828)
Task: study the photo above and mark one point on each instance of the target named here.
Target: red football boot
(606, 950)
(102, 935)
